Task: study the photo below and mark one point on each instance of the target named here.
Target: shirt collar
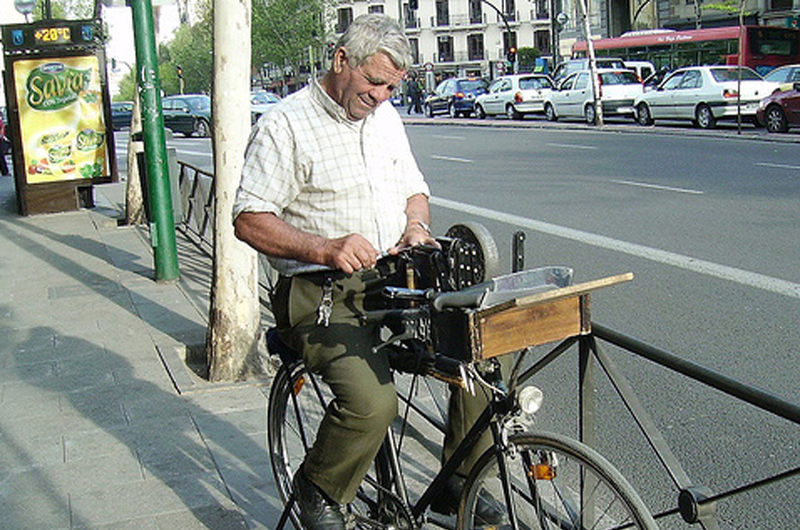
(330, 106)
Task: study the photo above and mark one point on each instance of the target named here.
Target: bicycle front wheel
(551, 482)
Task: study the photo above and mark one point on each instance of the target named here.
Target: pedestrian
(329, 183)
(4, 145)
(415, 94)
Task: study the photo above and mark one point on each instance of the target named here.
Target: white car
(573, 97)
(514, 96)
(704, 94)
(260, 102)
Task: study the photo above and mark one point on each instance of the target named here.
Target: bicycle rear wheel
(297, 404)
(554, 483)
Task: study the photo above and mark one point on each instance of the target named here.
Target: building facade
(462, 37)
(473, 37)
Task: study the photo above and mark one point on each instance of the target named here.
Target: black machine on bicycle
(456, 321)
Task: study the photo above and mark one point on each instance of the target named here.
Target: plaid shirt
(322, 173)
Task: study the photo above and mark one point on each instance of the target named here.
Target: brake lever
(394, 338)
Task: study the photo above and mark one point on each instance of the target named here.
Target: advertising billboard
(61, 118)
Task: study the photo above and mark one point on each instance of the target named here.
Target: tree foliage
(191, 50)
(65, 9)
(526, 56)
(283, 30)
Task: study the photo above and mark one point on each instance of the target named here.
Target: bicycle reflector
(530, 399)
(298, 385)
(543, 471)
(545, 467)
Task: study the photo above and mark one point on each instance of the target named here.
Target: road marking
(573, 146)
(443, 137)
(452, 159)
(201, 153)
(752, 279)
(657, 187)
(779, 166)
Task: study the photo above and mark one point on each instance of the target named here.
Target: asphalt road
(708, 224)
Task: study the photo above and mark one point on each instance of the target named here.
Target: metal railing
(695, 503)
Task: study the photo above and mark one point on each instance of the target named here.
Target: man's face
(367, 86)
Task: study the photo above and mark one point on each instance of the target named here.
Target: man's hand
(349, 253)
(416, 234)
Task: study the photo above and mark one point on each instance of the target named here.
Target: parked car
(514, 96)
(643, 69)
(455, 96)
(188, 114)
(785, 76)
(703, 94)
(780, 110)
(573, 97)
(260, 102)
(121, 112)
(652, 81)
(572, 66)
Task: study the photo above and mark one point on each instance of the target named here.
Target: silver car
(704, 94)
(514, 96)
(573, 97)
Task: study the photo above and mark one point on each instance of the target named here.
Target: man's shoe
(487, 512)
(317, 511)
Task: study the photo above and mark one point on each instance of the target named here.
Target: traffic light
(179, 70)
(511, 56)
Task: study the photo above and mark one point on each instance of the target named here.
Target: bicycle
(536, 480)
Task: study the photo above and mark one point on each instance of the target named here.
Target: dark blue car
(455, 96)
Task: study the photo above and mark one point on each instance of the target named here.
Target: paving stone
(72, 477)
(149, 498)
(50, 511)
(203, 518)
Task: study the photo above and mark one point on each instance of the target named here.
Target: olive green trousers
(365, 401)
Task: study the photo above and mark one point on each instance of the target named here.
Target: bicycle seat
(276, 346)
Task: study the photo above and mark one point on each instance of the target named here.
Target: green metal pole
(162, 223)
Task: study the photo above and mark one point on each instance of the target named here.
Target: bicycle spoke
(556, 484)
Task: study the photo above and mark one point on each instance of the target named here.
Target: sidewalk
(102, 423)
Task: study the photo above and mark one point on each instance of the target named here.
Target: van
(643, 69)
(576, 65)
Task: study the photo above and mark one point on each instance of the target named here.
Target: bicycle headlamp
(530, 399)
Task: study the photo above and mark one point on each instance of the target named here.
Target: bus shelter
(59, 113)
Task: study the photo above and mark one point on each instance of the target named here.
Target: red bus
(764, 47)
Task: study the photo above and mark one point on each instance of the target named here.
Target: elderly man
(329, 184)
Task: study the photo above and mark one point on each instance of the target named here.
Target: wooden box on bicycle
(513, 325)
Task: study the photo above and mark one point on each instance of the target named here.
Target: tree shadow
(118, 442)
(134, 448)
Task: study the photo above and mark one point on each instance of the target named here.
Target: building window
(542, 9)
(541, 39)
(414, 43)
(510, 10)
(780, 5)
(410, 17)
(375, 9)
(345, 17)
(475, 12)
(445, 49)
(442, 13)
(475, 47)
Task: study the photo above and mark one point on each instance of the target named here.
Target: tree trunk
(587, 29)
(234, 322)
(134, 201)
